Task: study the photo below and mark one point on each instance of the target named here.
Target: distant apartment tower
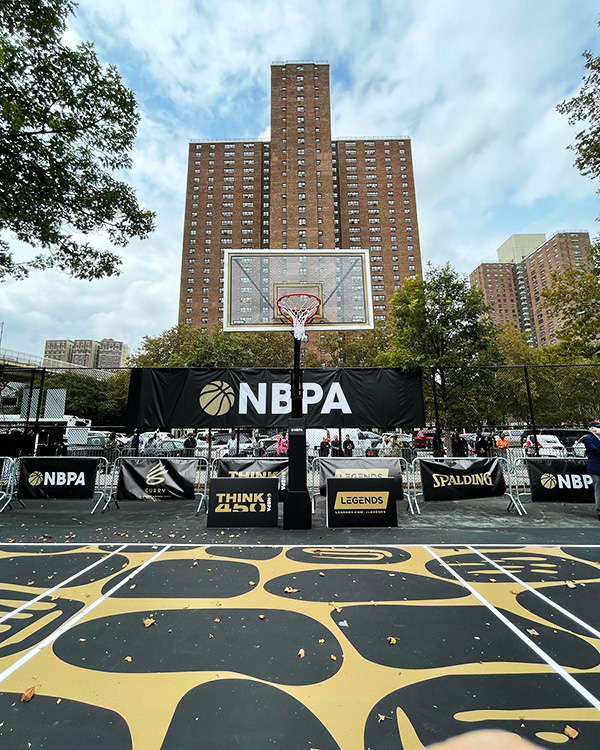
(88, 352)
(60, 350)
(112, 353)
(300, 190)
(513, 289)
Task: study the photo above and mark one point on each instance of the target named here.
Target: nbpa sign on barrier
(559, 480)
(64, 478)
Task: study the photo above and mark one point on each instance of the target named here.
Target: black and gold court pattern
(338, 648)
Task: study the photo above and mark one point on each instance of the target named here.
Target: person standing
(282, 444)
(481, 444)
(348, 447)
(502, 445)
(335, 447)
(592, 448)
(190, 444)
(324, 447)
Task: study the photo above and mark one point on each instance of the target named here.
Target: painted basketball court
(382, 647)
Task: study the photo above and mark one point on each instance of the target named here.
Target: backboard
(255, 279)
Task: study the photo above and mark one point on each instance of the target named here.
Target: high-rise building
(514, 289)
(299, 190)
(112, 353)
(60, 350)
(87, 352)
(518, 246)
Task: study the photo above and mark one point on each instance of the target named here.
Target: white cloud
(473, 84)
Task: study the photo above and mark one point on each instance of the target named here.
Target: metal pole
(438, 429)
(296, 382)
(39, 407)
(531, 410)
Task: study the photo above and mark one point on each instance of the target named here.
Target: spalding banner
(361, 468)
(157, 479)
(461, 478)
(560, 480)
(64, 478)
(353, 397)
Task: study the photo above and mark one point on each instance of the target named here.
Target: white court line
(13, 612)
(394, 545)
(531, 644)
(74, 620)
(564, 611)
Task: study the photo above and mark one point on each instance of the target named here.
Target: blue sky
(473, 83)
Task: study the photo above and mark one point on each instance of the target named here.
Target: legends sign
(361, 502)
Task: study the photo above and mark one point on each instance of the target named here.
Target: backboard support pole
(297, 508)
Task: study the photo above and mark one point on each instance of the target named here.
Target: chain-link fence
(82, 412)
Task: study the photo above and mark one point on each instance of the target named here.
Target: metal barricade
(405, 471)
(101, 479)
(7, 482)
(201, 478)
(507, 471)
(522, 481)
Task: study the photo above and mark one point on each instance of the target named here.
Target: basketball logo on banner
(36, 478)
(548, 481)
(217, 398)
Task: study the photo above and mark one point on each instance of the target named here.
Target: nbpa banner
(560, 480)
(360, 468)
(156, 479)
(65, 478)
(461, 478)
(226, 398)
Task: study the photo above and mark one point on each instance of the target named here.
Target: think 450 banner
(353, 397)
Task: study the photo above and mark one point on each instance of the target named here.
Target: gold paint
(552, 737)
(336, 702)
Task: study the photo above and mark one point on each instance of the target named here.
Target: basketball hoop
(299, 309)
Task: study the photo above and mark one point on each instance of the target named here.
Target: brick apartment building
(88, 352)
(514, 288)
(299, 190)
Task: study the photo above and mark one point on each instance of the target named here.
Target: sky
(473, 83)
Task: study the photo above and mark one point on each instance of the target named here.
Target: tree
(67, 124)
(585, 107)
(355, 348)
(442, 323)
(172, 348)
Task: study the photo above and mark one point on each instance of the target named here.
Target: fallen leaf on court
(185, 606)
(333, 657)
(82, 640)
(261, 617)
(571, 585)
(133, 585)
(217, 619)
(171, 536)
(148, 621)
(493, 580)
(571, 733)
(301, 653)
(252, 583)
(321, 573)
(391, 640)
(54, 598)
(210, 635)
(30, 583)
(28, 695)
(514, 591)
(290, 590)
(59, 700)
(321, 640)
(195, 563)
(532, 631)
(381, 717)
(128, 658)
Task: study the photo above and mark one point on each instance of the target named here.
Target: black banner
(560, 480)
(242, 502)
(64, 478)
(461, 478)
(226, 398)
(360, 468)
(361, 502)
(156, 479)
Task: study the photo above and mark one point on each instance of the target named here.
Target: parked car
(424, 438)
(548, 446)
(219, 446)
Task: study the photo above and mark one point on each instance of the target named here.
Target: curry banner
(156, 479)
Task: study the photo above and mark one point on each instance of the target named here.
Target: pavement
(141, 628)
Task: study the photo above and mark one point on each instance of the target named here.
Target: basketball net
(299, 309)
